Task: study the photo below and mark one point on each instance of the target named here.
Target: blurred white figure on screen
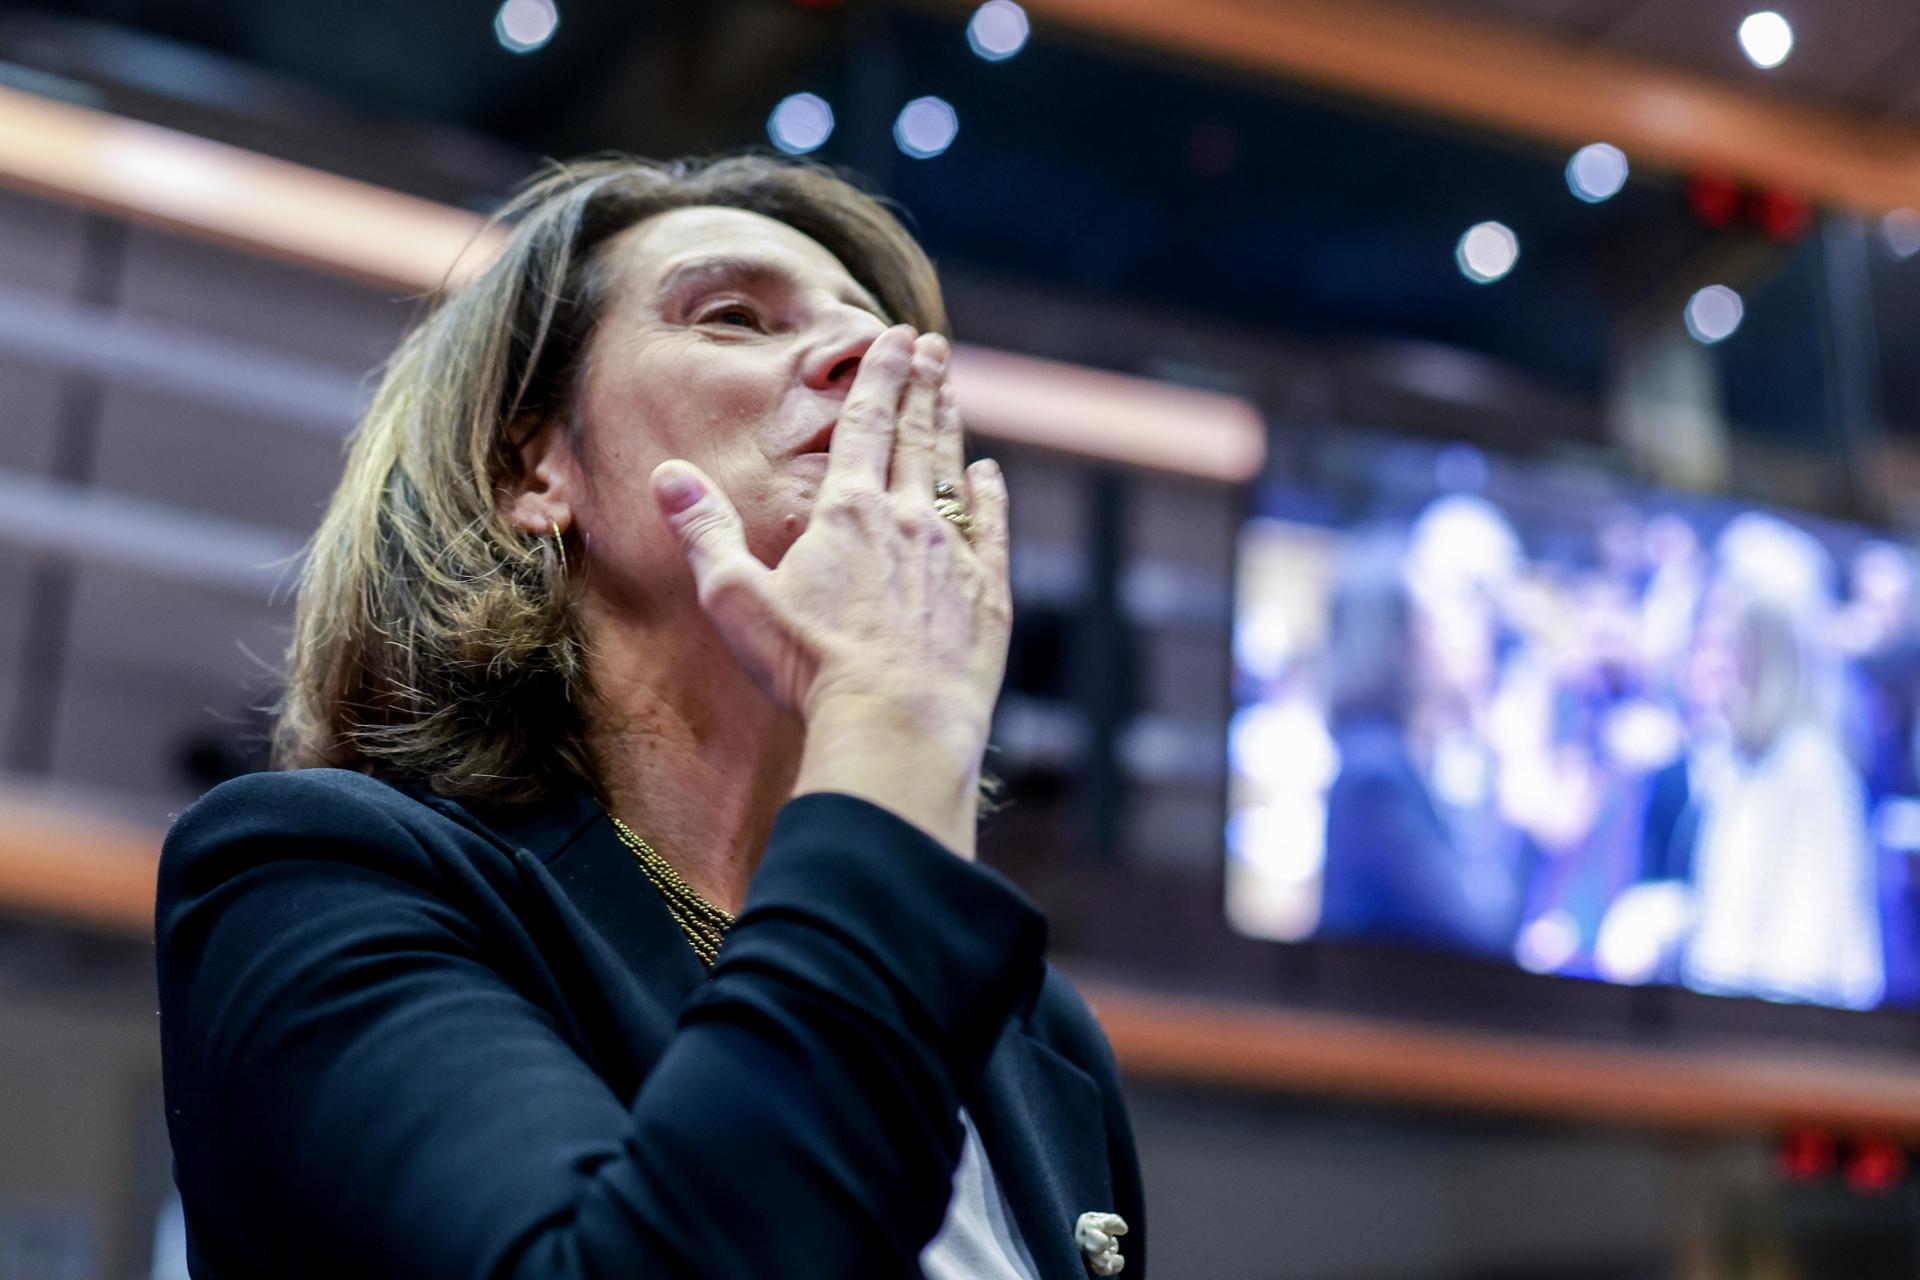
(1785, 890)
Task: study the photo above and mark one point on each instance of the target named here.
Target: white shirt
(979, 1240)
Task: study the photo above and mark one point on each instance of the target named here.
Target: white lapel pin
(1098, 1234)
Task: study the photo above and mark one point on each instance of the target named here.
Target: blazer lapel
(1041, 1121)
(622, 966)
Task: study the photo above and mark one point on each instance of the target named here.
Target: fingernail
(676, 489)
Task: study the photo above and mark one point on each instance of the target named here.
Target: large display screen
(1530, 712)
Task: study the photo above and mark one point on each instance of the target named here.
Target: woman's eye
(732, 315)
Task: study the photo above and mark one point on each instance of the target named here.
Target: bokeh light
(926, 127)
(1901, 230)
(1597, 172)
(1766, 38)
(1487, 252)
(525, 25)
(998, 30)
(801, 123)
(1714, 313)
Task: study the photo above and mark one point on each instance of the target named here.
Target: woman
(656, 608)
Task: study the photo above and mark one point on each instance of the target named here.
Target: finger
(710, 533)
(913, 438)
(987, 503)
(862, 447)
(949, 439)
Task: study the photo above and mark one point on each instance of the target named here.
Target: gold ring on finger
(952, 510)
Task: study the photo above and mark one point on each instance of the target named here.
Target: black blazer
(407, 1037)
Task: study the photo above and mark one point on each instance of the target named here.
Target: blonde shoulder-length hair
(434, 642)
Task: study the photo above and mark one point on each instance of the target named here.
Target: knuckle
(704, 528)
(865, 416)
(914, 524)
(860, 507)
(893, 360)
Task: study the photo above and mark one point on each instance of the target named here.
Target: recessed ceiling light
(998, 30)
(1597, 172)
(800, 123)
(1714, 313)
(1901, 230)
(1487, 252)
(1766, 37)
(926, 127)
(524, 25)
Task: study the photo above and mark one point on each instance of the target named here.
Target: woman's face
(730, 340)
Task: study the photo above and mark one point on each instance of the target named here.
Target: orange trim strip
(84, 871)
(1108, 416)
(235, 197)
(100, 874)
(1320, 1054)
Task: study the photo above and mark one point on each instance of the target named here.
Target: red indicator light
(1807, 1155)
(1714, 199)
(1876, 1167)
(1782, 215)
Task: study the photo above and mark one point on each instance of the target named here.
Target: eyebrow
(751, 272)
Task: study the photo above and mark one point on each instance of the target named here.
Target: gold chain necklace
(704, 924)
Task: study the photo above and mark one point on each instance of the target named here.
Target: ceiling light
(1487, 252)
(800, 123)
(524, 25)
(998, 30)
(1901, 230)
(1597, 172)
(1714, 313)
(926, 127)
(1766, 38)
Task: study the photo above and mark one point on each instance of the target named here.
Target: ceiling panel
(30, 405)
(1554, 15)
(16, 618)
(1860, 53)
(42, 245)
(1905, 105)
(252, 300)
(153, 667)
(215, 460)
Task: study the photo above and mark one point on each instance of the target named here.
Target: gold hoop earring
(559, 546)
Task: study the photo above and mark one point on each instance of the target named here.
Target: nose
(834, 362)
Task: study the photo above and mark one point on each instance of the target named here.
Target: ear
(540, 497)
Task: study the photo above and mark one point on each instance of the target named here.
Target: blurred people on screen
(1615, 747)
(1403, 686)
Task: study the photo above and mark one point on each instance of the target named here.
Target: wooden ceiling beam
(1503, 77)
(232, 196)
(94, 873)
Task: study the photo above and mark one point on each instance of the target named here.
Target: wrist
(926, 773)
(917, 722)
